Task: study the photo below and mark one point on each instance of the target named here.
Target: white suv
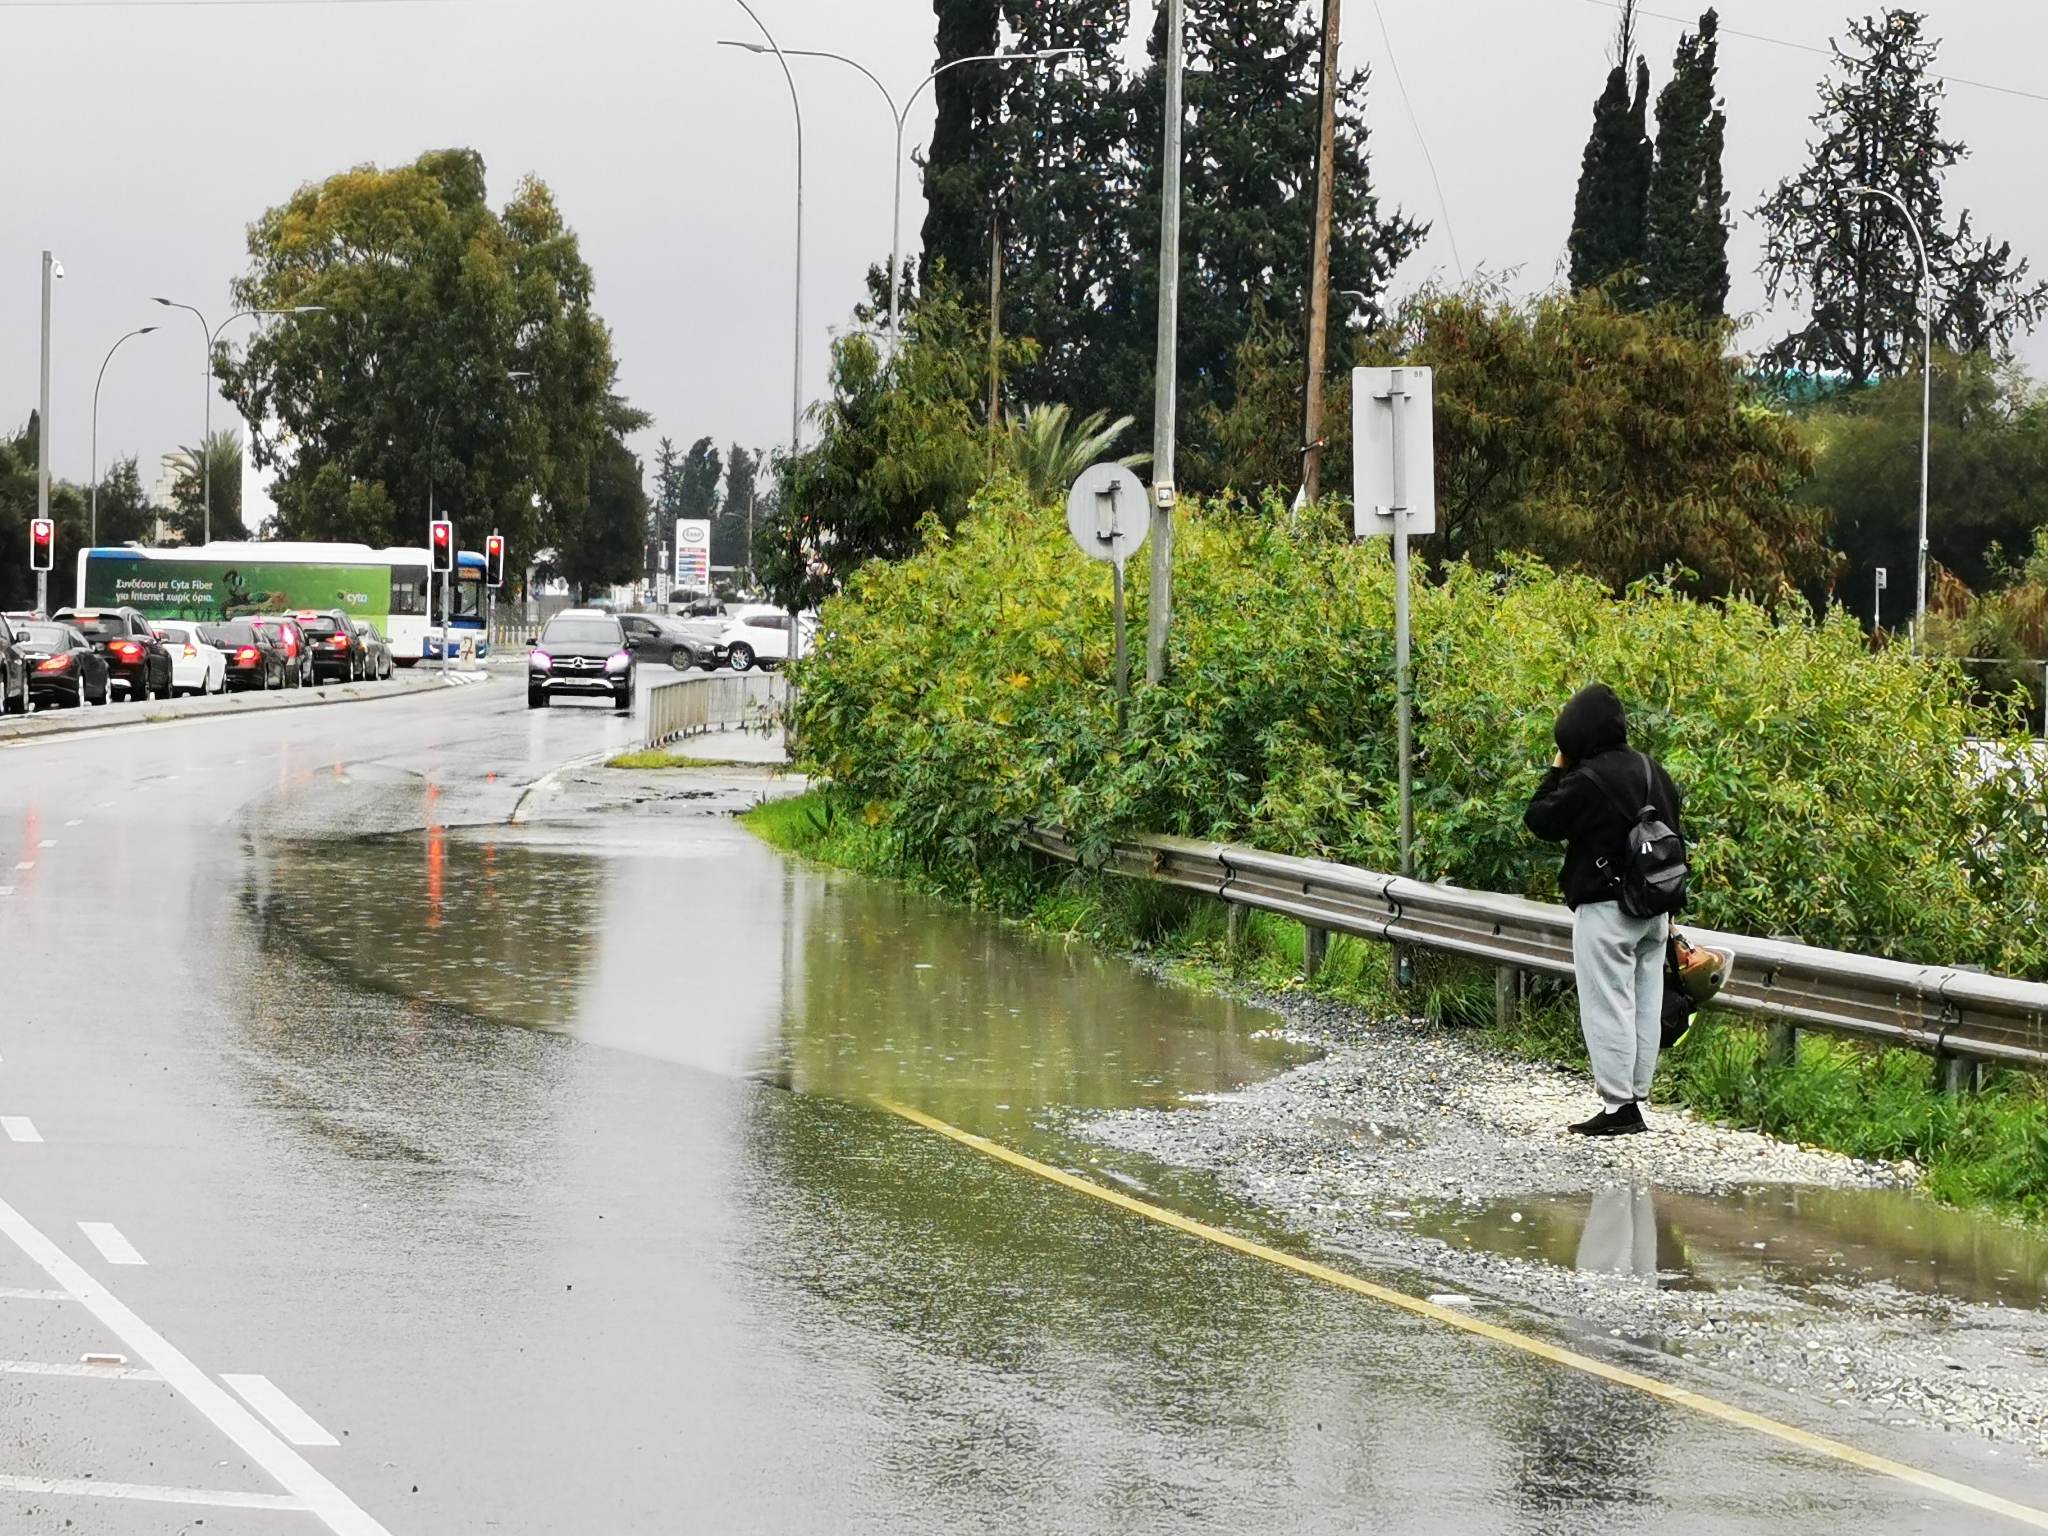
(758, 633)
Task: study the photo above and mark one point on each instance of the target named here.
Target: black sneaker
(1625, 1121)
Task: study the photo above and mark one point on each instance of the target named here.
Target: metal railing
(1960, 1015)
(747, 701)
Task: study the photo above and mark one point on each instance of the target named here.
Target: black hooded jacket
(1581, 805)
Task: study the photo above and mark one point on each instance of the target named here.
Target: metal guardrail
(1956, 1014)
(723, 701)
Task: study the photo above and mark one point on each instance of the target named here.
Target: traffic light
(494, 560)
(441, 541)
(42, 544)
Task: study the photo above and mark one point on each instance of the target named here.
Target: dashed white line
(6, 890)
(48, 842)
(67, 1368)
(94, 1488)
(113, 1247)
(286, 1416)
(104, 805)
(313, 1492)
(26, 864)
(19, 1128)
(26, 1293)
(77, 821)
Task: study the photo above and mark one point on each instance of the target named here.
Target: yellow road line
(1712, 1408)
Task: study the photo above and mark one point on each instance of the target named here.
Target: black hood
(1591, 722)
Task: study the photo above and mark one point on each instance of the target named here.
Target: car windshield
(581, 632)
(50, 636)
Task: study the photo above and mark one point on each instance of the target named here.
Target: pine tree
(1609, 216)
(729, 533)
(661, 516)
(962, 168)
(1686, 235)
(1850, 256)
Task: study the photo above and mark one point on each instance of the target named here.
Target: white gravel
(1401, 1143)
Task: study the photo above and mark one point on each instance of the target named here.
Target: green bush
(1831, 792)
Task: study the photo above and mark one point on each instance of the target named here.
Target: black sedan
(653, 638)
(137, 660)
(64, 668)
(14, 669)
(376, 651)
(336, 649)
(255, 656)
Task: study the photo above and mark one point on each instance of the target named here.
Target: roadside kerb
(688, 706)
(45, 724)
(1954, 1014)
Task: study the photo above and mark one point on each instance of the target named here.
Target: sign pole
(1123, 658)
(1403, 691)
(42, 592)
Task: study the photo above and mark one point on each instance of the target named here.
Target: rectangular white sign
(1372, 450)
(693, 553)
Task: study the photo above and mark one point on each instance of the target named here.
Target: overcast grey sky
(144, 138)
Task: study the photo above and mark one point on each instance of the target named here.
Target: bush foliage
(1832, 792)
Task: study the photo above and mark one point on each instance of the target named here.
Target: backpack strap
(1613, 795)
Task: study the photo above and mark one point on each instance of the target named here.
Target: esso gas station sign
(693, 553)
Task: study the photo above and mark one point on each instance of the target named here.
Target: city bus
(215, 582)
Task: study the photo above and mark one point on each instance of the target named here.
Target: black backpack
(1653, 874)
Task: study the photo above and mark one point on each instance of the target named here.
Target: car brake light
(54, 664)
(191, 650)
(247, 653)
(125, 648)
(338, 643)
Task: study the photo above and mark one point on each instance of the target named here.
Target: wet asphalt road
(530, 1166)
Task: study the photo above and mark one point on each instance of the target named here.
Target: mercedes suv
(582, 651)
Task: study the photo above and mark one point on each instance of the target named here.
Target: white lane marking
(76, 821)
(104, 805)
(26, 864)
(24, 1293)
(286, 1416)
(48, 842)
(6, 890)
(19, 1128)
(113, 1247)
(319, 1497)
(93, 1488)
(67, 1368)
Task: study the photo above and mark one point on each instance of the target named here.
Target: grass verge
(1987, 1150)
(661, 757)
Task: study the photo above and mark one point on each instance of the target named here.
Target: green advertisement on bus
(188, 589)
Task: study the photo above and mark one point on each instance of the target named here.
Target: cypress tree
(1609, 215)
(963, 166)
(1686, 249)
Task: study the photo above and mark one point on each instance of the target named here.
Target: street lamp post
(1926, 393)
(901, 116)
(143, 331)
(53, 269)
(796, 381)
(212, 335)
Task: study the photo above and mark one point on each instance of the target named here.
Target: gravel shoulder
(1419, 1150)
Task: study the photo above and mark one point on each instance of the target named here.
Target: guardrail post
(1957, 1074)
(1781, 1044)
(1507, 996)
(1233, 928)
(1315, 949)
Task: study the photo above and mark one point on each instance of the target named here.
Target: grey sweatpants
(1620, 964)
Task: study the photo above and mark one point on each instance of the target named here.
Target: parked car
(298, 655)
(337, 649)
(14, 670)
(376, 650)
(581, 651)
(137, 660)
(197, 666)
(64, 668)
(758, 634)
(253, 658)
(654, 638)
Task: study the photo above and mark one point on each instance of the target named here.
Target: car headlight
(618, 661)
(539, 660)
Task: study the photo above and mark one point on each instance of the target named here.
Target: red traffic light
(42, 538)
(494, 560)
(441, 535)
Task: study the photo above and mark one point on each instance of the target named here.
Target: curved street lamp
(212, 334)
(901, 115)
(796, 383)
(1926, 390)
(142, 331)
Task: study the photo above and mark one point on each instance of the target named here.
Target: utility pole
(995, 334)
(1319, 263)
(1166, 367)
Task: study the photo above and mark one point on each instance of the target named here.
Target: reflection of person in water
(1620, 1237)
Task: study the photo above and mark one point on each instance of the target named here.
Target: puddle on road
(1794, 1236)
(692, 942)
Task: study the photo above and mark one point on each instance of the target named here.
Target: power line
(1428, 159)
(1786, 42)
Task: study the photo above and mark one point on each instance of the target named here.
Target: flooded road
(536, 1165)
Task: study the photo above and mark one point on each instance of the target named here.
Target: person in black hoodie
(1588, 801)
